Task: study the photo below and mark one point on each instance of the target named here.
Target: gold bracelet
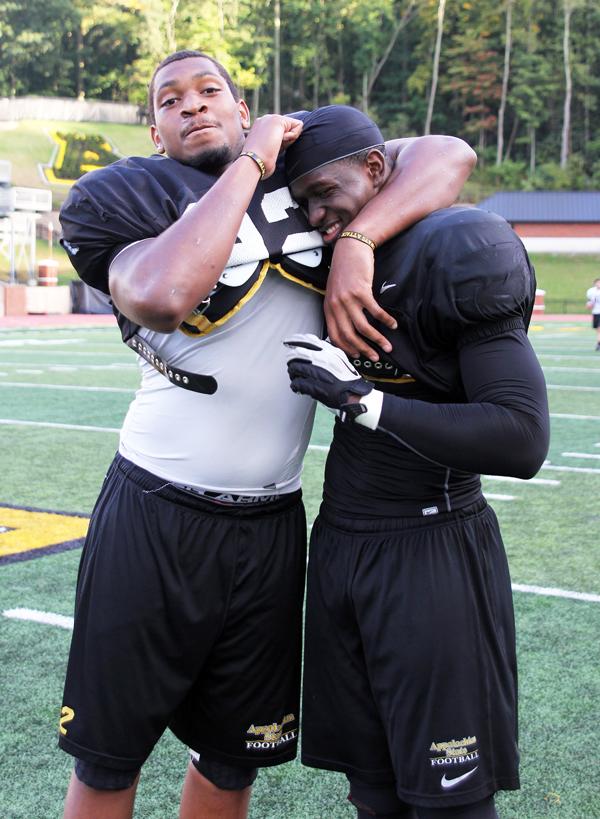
(354, 234)
(258, 160)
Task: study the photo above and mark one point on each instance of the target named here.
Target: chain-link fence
(564, 306)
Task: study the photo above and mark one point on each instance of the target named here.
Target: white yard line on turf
(59, 368)
(13, 422)
(579, 455)
(33, 385)
(38, 342)
(590, 470)
(561, 357)
(573, 388)
(46, 617)
(95, 352)
(573, 369)
(509, 479)
(547, 592)
(62, 621)
(570, 417)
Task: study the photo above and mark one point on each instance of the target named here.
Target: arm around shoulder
(428, 174)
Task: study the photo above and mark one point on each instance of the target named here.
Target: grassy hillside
(27, 145)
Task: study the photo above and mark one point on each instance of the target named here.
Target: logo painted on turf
(456, 780)
(271, 736)
(27, 533)
(66, 715)
(453, 752)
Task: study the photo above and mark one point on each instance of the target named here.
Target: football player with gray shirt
(189, 597)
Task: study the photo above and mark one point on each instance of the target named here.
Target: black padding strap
(181, 378)
(378, 800)
(225, 777)
(104, 779)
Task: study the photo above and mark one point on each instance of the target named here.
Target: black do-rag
(329, 133)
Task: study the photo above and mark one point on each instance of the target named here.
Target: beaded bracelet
(258, 160)
(354, 234)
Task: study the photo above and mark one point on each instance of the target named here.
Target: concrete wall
(70, 110)
(559, 237)
(558, 244)
(583, 230)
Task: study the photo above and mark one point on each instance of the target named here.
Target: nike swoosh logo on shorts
(385, 286)
(452, 783)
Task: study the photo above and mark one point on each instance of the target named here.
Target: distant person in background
(593, 304)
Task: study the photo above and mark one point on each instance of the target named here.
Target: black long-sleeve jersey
(465, 393)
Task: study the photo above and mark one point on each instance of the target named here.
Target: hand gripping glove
(324, 372)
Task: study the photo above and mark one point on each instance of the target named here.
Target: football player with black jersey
(410, 683)
(189, 598)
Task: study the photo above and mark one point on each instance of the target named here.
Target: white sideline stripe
(508, 479)
(579, 455)
(574, 369)
(570, 417)
(13, 422)
(560, 357)
(574, 389)
(589, 470)
(61, 620)
(131, 365)
(46, 617)
(33, 385)
(59, 368)
(491, 496)
(95, 352)
(38, 342)
(571, 595)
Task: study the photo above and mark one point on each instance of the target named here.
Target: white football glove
(324, 372)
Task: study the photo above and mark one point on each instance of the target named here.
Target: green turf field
(63, 394)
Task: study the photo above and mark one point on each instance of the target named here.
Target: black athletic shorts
(410, 666)
(188, 616)
(595, 320)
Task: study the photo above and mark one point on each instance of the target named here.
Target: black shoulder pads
(479, 270)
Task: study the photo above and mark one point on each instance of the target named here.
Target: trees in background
(519, 79)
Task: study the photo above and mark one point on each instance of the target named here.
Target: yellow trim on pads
(296, 280)
(204, 326)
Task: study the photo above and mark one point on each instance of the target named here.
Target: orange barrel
(538, 305)
(48, 273)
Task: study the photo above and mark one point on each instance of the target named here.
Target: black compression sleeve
(505, 427)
